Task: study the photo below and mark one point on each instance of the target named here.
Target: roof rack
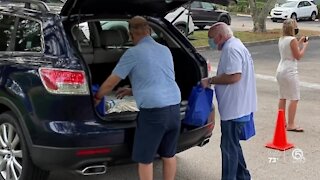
(42, 6)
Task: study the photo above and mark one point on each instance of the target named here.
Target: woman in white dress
(291, 51)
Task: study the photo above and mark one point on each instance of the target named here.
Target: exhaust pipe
(93, 170)
(204, 142)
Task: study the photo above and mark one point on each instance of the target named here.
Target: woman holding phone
(291, 51)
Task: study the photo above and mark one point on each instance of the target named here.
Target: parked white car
(180, 18)
(295, 9)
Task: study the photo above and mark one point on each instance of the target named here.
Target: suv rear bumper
(76, 158)
(195, 137)
(51, 158)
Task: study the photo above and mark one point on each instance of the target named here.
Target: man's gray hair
(221, 28)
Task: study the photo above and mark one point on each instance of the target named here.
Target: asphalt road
(264, 164)
(244, 23)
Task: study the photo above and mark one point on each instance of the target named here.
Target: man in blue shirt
(235, 88)
(149, 66)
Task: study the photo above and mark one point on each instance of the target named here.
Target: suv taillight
(64, 81)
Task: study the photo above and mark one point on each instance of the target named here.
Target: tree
(259, 14)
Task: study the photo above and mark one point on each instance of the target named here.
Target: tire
(182, 29)
(294, 16)
(201, 27)
(225, 19)
(274, 20)
(14, 152)
(313, 16)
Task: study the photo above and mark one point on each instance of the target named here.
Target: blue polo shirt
(149, 66)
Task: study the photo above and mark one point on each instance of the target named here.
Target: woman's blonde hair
(288, 27)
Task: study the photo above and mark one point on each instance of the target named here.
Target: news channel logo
(298, 156)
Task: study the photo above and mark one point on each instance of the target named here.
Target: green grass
(200, 38)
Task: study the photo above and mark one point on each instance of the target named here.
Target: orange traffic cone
(280, 136)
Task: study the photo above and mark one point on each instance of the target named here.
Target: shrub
(243, 7)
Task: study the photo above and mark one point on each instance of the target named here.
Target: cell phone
(306, 39)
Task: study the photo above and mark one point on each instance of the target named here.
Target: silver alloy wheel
(10, 153)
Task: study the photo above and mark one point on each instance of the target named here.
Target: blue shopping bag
(248, 129)
(101, 106)
(199, 106)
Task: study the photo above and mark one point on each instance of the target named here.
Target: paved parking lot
(245, 23)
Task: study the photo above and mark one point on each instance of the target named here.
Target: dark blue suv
(49, 61)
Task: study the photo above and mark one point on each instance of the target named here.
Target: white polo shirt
(238, 99)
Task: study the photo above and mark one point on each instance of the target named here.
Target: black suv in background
(206, 14)
(47, 68)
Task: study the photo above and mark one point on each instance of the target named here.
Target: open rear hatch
(157, 8)
(103, 8)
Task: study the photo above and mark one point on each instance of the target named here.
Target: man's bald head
(138, 22)
(220, 32)
(139, 28)
(220, 28)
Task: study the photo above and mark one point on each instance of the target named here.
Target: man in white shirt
(235, 87)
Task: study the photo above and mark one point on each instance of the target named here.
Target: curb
(257, 43)
(268, 17)
(248, 15)
(243, 15)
